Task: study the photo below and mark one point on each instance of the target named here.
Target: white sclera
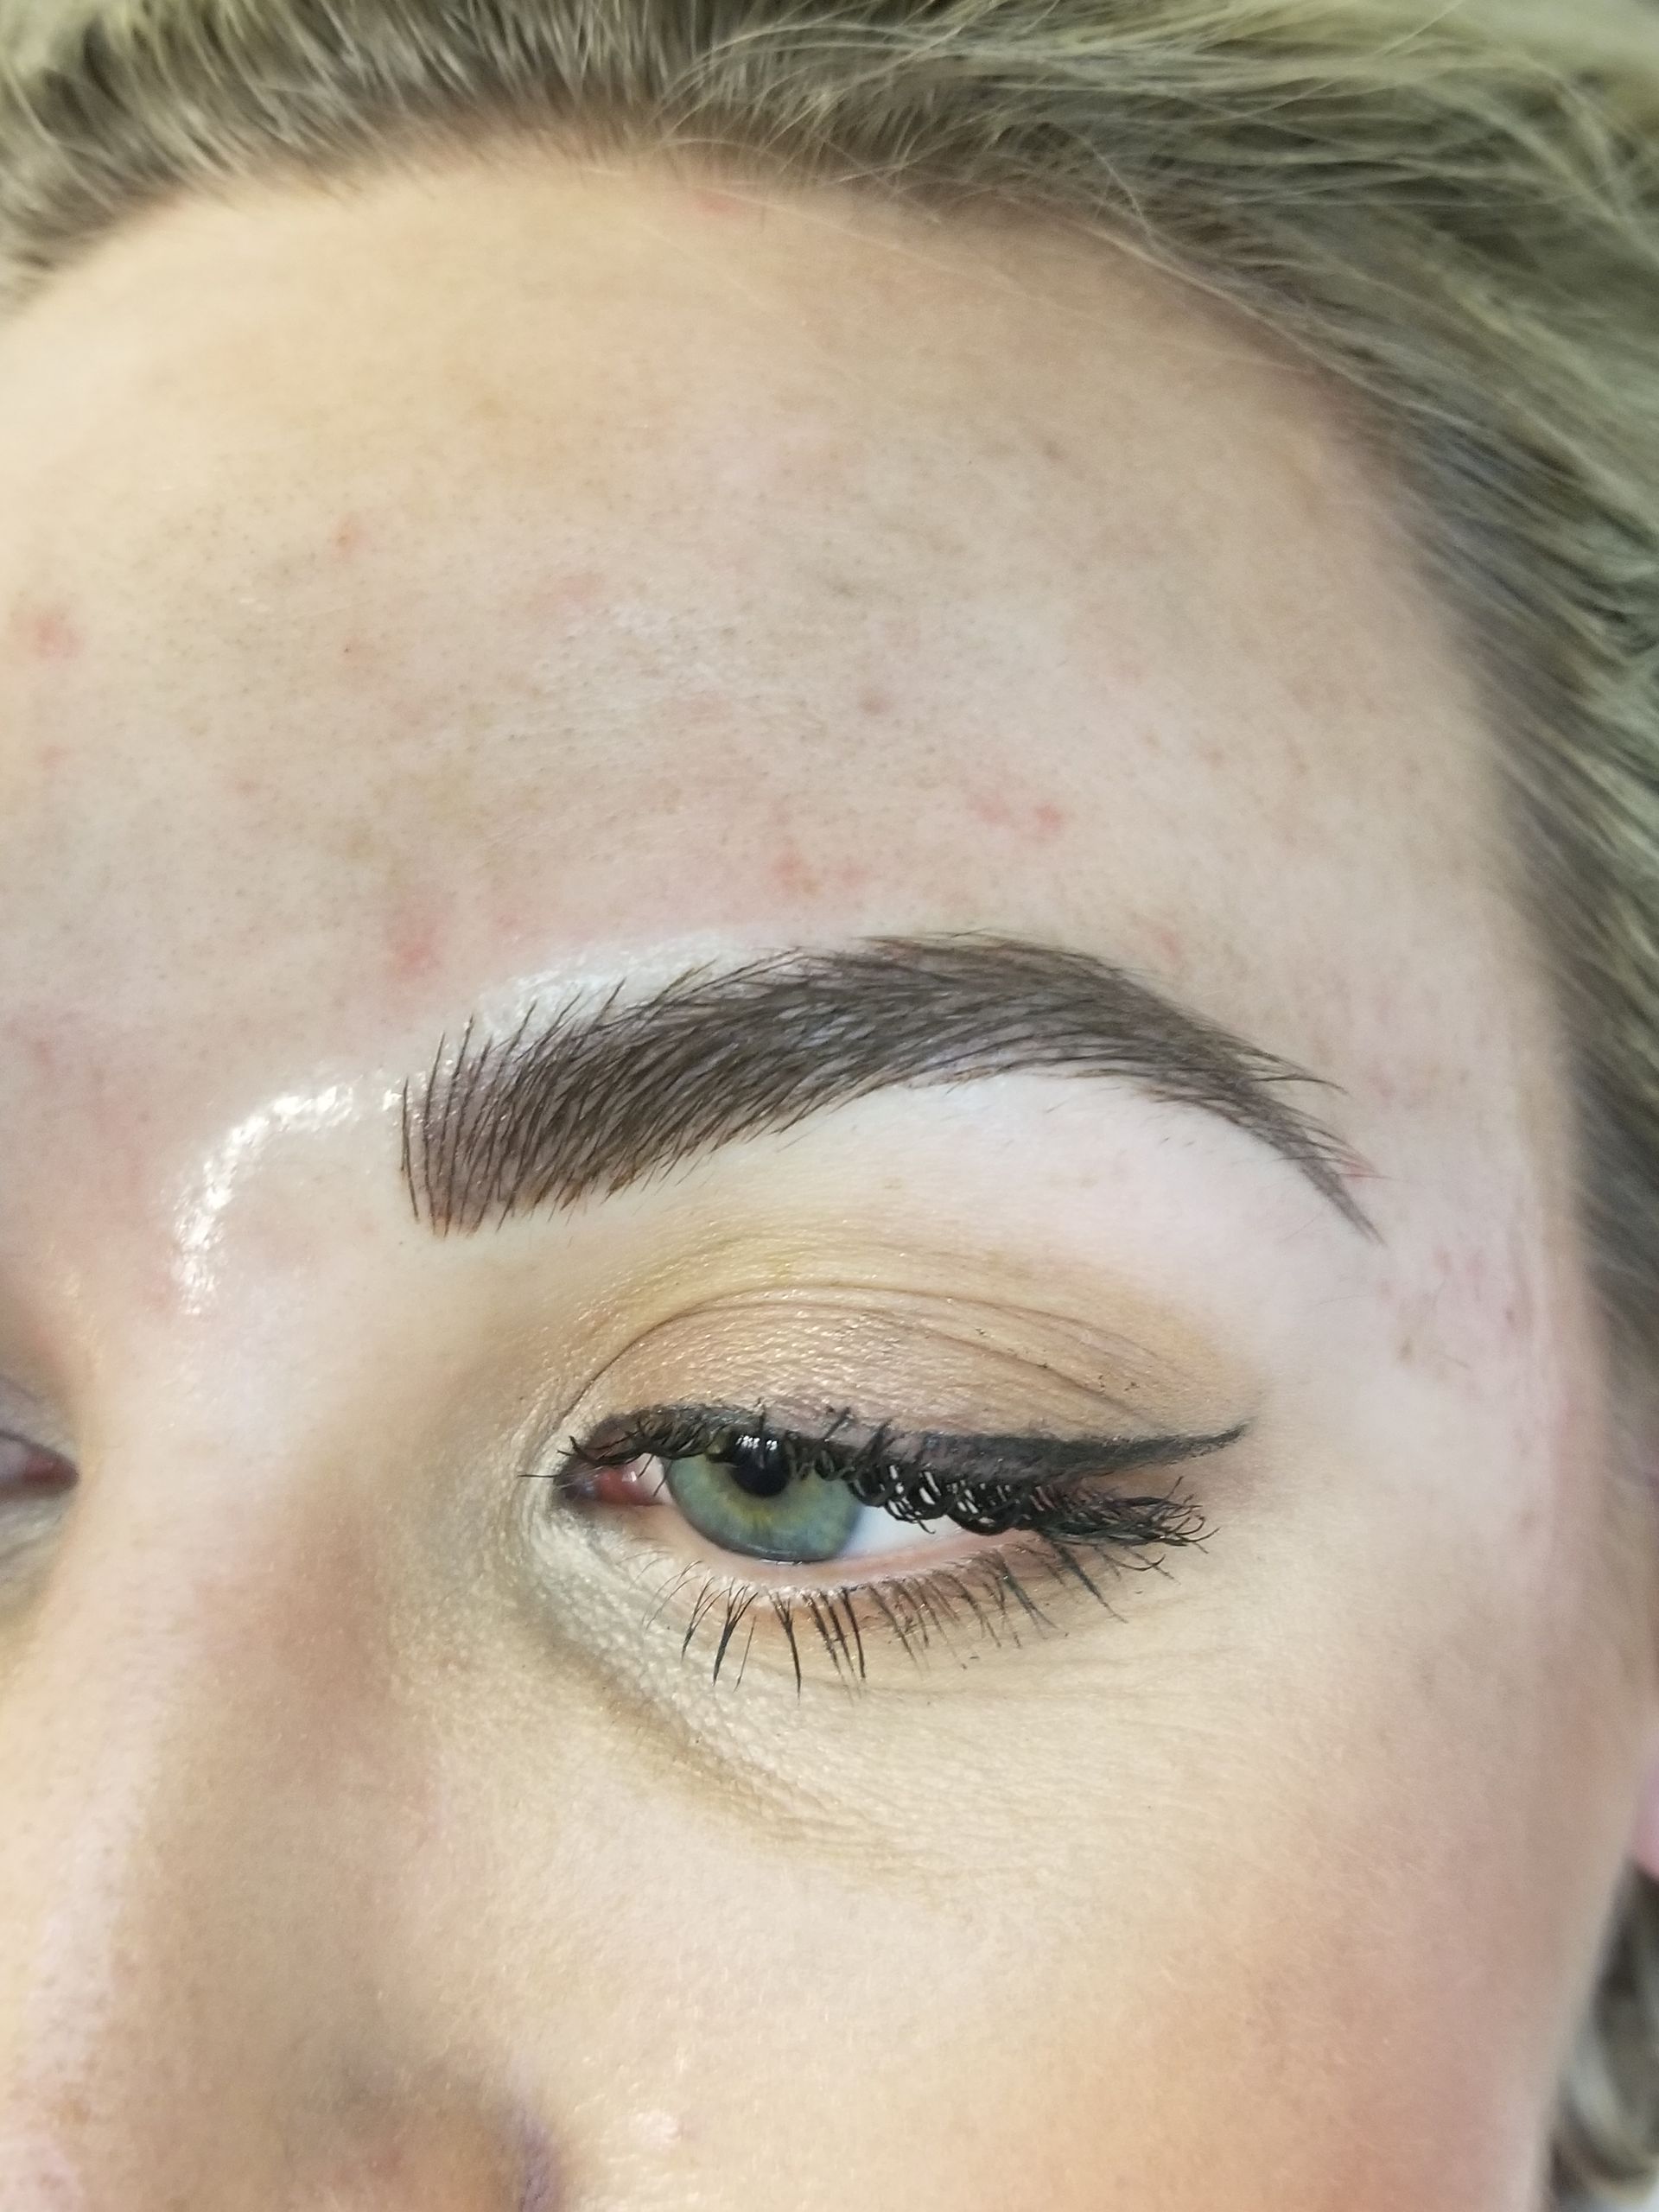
(876, 1532)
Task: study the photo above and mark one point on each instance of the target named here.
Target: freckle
(875, 702)
(348, 537)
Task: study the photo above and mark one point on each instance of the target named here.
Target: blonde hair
(1451, 205)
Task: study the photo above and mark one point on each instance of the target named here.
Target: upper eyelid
(1018, 1457)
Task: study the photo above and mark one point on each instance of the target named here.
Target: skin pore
(473, 593)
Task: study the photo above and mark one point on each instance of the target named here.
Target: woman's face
(503, 1720)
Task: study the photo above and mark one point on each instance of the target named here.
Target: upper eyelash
(987, 1496)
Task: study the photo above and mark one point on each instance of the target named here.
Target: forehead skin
(530, 572)
(833, 567)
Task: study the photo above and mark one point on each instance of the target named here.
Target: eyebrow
(601, 1094)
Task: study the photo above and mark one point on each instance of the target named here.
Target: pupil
(758, 1466)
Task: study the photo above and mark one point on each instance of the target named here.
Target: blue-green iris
(746, 1500)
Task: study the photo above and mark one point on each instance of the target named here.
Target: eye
(745, 1497)
(986, 1525)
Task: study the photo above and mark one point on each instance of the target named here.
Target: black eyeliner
(672, 1431)
(986, 1484)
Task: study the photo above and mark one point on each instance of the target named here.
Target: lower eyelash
(915, 1611)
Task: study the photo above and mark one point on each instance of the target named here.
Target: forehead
(513, 569)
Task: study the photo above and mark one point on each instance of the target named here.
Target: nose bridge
(196, 1745)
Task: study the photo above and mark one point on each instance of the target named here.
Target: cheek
(1237, 1935)
(1312, 1970)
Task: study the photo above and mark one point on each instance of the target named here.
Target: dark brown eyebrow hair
(597, 1095)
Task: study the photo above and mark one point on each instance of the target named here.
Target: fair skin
(469, 593)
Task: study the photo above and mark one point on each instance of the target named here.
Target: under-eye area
(825, 1544)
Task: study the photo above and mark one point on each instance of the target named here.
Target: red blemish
(875, 702)
(792, 875)
(795, 877)
(42, 1049)
(413, 946)
(709, 202)
(1038, 823)
(581, 589)
(46, 631)
(1520, 1306)
(985, 806)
